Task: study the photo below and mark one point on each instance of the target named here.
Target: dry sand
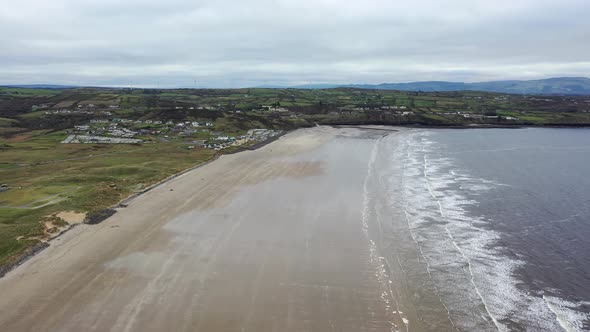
(265, 240)
(71, 217)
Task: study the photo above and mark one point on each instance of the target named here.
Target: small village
(194, 134)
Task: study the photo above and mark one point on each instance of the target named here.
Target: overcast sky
(222, 43)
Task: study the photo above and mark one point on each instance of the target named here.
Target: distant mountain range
(549, 86)
(557, 85)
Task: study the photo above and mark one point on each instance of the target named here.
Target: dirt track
(265, 240)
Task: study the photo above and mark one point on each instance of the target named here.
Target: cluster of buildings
(276, 109)
(120, 127)
(105, 128)
(487, 117)
(82, 108)
(77, 111)
(91, 139)
(393, 107)
(195, 108)
(126, 131)
(398, 109)
(387, 110)
(194, 124)
(39, 107)
(102, 132)
(253, 135)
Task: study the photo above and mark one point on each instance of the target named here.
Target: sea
(482, 229)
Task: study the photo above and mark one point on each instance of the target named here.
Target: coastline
(259, 215)
(470, 126)
(275, 217)
(113, 209)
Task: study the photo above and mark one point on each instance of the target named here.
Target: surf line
(559, 317)
(450, 235)
(381, 261)
(413, 236)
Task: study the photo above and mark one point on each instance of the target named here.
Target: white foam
(462, 256)
(452, 238)
(566, 313)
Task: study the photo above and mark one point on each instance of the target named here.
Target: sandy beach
(266, 240)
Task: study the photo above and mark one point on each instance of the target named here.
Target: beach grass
(45, 177)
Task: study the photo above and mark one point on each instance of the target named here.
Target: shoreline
(472, 126)
(265, 239)
(170, 259)
(104, 214)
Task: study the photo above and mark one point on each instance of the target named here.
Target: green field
(34, 197)
(83, 178)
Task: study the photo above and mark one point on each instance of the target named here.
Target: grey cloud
(236, 43)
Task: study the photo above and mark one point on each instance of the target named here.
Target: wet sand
(265, 240)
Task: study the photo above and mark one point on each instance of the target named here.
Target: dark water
(544, 212)
(543, 209)
(498, 219)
